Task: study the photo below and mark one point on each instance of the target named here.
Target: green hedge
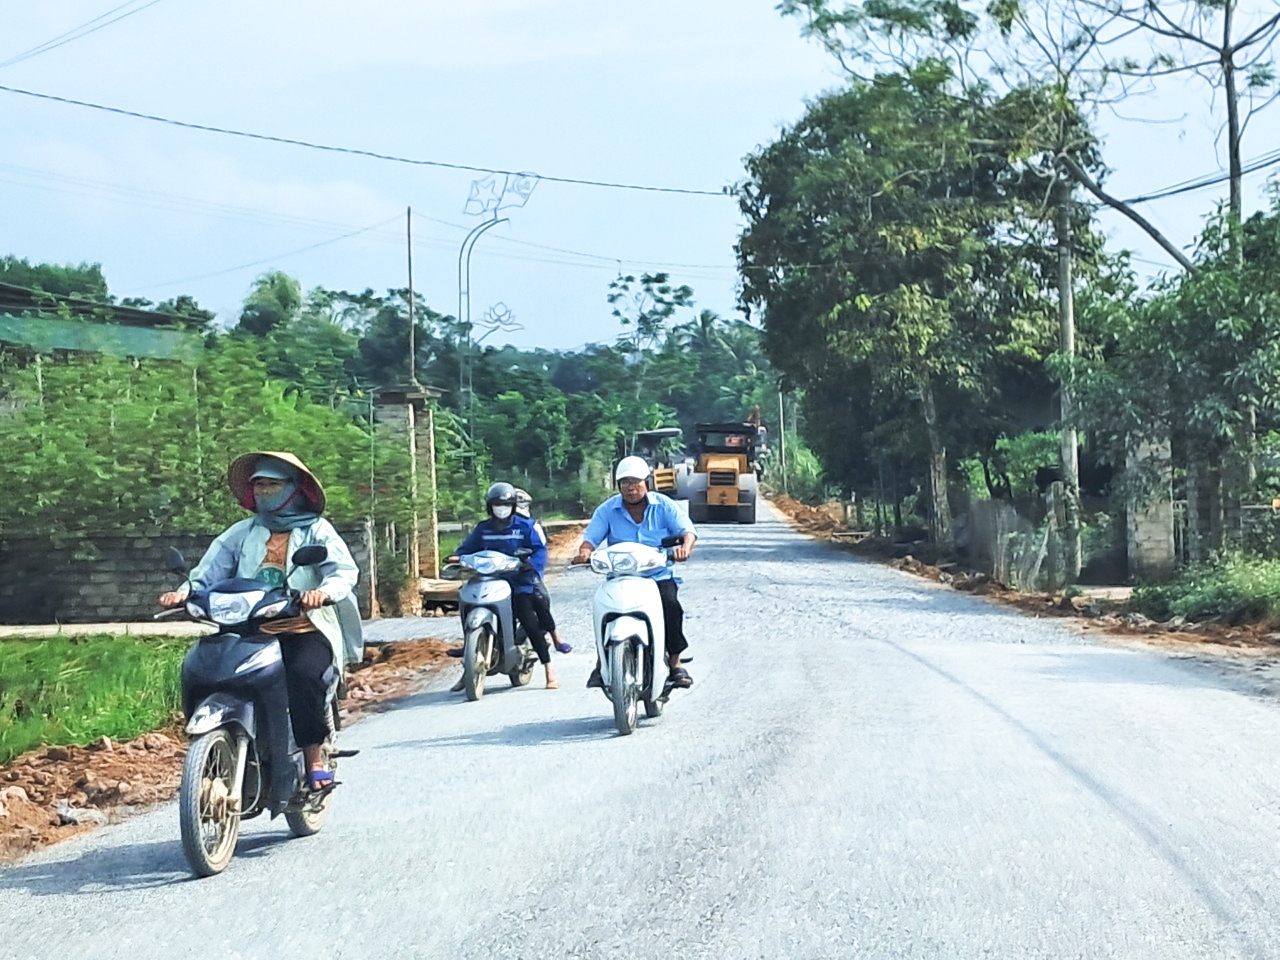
(1234, 589)
(74, 690)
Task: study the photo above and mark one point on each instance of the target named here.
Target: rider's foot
(552, 682)
(595, 680)
(319, 780)
(679, 677)
(455, 652)
(457, 687)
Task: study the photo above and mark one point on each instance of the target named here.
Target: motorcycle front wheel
(623, 686)
(475, 661)
(209, 820)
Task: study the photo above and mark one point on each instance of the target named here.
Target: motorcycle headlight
(263, 658)
(485, 566)
(272, 609)
(600, 563)
(232, 608)
(624, 563)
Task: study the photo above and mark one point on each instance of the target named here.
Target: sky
(661, 93)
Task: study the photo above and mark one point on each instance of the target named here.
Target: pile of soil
(57, 792)
(812, 520)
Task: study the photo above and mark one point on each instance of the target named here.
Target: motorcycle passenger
(287, 501)
(541, 596)
(507, 532)
(639, 515)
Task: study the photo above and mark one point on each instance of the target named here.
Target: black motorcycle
(242, 758)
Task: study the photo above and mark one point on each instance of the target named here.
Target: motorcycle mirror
(175, 561)
(311, 555)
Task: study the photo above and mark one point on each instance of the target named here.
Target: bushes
(74, 690)
(1235, 589)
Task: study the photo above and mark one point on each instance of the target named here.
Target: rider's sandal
(564, 647)
(321, 781)
(679, 678)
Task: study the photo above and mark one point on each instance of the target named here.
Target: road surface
(869, 765)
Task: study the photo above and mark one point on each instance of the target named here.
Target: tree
(274, 299)
(881, 245)
(644, 307)
(1088, 49)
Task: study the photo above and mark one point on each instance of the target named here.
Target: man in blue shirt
(507, 532)
(639, 515)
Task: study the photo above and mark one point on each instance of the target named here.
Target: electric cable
(353, 151)
(76, 33)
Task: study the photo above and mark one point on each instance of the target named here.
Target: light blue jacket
(612, 523)
(240, 550)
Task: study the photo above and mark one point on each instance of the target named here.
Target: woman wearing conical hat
(287, 501)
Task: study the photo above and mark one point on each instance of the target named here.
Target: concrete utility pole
(413, 333)
(1067, 346)
(782, 436)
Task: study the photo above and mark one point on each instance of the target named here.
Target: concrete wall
(107, 578)
(1152, 546)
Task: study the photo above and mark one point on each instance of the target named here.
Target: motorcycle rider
(287, 501)
(507, 532)
(639, 515)
(541, 596)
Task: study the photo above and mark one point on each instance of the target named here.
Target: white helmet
(631, 468)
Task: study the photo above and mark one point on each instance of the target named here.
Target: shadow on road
(139, 866)
(544, 733)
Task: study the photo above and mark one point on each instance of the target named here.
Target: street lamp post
(464, 289)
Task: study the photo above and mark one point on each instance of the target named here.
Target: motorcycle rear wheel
(475, 662)
(522, 674)
(209, 822)
(623, 686)
(306, 820)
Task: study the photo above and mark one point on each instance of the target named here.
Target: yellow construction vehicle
(659, 448)
(723, 484)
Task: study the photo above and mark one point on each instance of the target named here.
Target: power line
(602, 258)
(1209, 180)
(77, 32)
(352, 151)
(271, 259)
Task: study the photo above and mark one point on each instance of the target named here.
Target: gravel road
(868, 765)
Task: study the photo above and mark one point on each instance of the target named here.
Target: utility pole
(782, 436)
(1067, 346)
(433, 556)
(413, 346)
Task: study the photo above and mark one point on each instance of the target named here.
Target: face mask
(501, 512)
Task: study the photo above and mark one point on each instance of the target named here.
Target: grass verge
(73, 690)
(1234, 590)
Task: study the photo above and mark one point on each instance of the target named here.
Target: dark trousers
(308, 659)
(542, 604)
(526, 612)
(673, 615)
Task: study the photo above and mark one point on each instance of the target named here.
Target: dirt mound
(813, 520)
(57, 792)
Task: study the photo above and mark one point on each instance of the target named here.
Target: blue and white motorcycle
(493, 641)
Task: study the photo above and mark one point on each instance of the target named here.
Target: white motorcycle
(630, 629)
(493, 641)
